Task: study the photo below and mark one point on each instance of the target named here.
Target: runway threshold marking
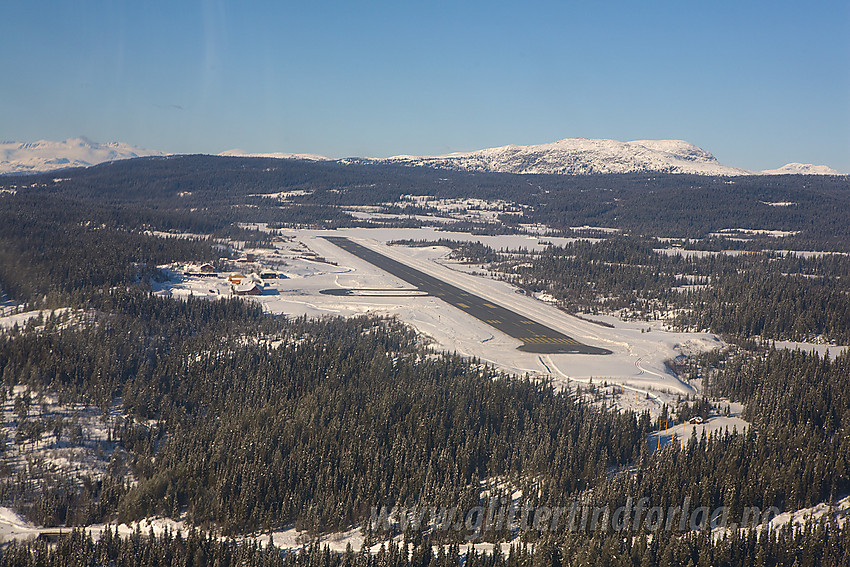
(535, 336)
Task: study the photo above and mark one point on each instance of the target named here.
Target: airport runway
(536, 338)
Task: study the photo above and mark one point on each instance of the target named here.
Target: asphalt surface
(536, 338)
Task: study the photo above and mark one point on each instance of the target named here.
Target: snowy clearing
(840, 511)
(716, 422)
(821, 349)
(22, 318)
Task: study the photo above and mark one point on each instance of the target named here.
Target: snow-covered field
(13, 526)
(821, 349)
(639, 349)
(11, 317)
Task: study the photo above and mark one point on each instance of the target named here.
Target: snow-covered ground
(808, 253)
(448, 210)
(686, 253)
(726, 232)
(8, 306)
(74, 439)
(840, 511)
(639, 350)
(716, 422)
(821, 349)
(604, 229)
(377, 216)
(13, 526)
(11, 316)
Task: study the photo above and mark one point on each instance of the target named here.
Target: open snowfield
(12, 317)
(820, 349)
(637, 362)
(12, 526)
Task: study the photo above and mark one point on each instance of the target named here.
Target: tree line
(772, 295)
(814, 543)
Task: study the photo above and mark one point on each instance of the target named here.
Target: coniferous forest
(770, 294)
(239, 422)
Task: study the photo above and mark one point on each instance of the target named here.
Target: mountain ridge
(582, 156)
(569, 156)
(43, 156)
(801, 169)
(275, 155)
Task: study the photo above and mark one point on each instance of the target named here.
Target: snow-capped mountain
(571, 156)
(583, 156)
(276, 155)
(801, 169)
(46, 155)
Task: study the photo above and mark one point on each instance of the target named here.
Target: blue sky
(758, 84)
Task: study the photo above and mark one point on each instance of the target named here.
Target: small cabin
(696, 420)
(247, 288)
(207, 268)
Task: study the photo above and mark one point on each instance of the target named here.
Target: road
(536, 337)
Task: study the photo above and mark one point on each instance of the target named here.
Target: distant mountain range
(276, 155)
(571, 156)
(46, 155)
(579, 156)
(801, 168)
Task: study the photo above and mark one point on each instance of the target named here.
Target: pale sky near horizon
(758, 84)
